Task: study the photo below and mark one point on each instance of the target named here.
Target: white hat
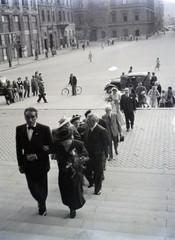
(63, 121)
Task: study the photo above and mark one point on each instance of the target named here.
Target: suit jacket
(128, 103)
(41, 136)
(97, 141)
(113, 125)
(73, 81)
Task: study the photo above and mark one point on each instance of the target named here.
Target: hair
(170, 88)
(108, 107)
(87, 112)
(93, 116)
(30, 109)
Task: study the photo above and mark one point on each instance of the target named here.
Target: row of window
(5, 18)
(125, 18)
(61, 16)
(25, 3)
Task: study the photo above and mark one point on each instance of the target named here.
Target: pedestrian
(15, 91)
(153, 94)
(146, 81)
(83, 46)
(20, 88)
(36, 54)
(8, 93)
(34, 85)
(102, 45)
(130, 70)
(128, 106)
(33, 146)
(75, 120)
(141, 95)
(73, 83)
(114, 129)
(157, 64)
(42, 93)
(153, 79)
(40, 77)
(96, 141)
(26, 87)
(123, 81)
(71, 156)
(90, 56)
(162, 102)
(46, 53)
(170, 98)
(53, 52)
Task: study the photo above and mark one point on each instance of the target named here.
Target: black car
(131, 79)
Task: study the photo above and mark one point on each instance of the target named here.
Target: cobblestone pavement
(150, 145)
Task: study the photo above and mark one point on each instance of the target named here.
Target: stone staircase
(132, 205)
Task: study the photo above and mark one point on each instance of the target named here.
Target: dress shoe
(42, 211)
(90, 185)
(116, 152)
(127, 130)
(110, 158)
(72, 213)
(97, 193)
(131, 127)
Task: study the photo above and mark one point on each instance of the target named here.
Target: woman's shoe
(72, 213)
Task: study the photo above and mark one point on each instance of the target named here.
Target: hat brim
(63, 123)
(75, 118)
(63, 138)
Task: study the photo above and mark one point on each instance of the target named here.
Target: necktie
(31, 128)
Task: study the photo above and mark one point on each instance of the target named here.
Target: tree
(95, 15)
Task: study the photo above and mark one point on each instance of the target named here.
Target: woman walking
(71, 155)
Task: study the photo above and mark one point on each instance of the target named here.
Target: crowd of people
(19, 90)
(149, 90)
(81, 147)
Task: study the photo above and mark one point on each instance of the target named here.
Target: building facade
(29, 27)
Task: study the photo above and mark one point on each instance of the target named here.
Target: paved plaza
(138, 194)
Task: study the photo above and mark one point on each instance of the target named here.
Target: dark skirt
(71, 189)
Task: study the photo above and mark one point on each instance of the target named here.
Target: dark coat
(128, 103)
(70, 182)
(73, 81)
(41, 136)
(96, 142)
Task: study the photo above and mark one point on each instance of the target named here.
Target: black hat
(63, 134)
(75, 117)
(87, 112)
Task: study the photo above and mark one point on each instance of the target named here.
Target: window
(5, 18)
(80, 20)
(136, 17)
(103, 34)
(33, 18)
(26, 22)
(33, 3)
(53, 16)
(16, 2)
(34, 22)
(63, 16)
(48, 15)
(59, 16)
(24, 3)
(113, 17)
(15, 18)
(68, 17)
(72, 17)
(114, 34)
(4, 2)
(125, 18)
(42, 14)
(25, 19)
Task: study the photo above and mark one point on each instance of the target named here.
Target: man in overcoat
(96, 142)
(128, 106)
(33, 145)
(114, 129)
(73, 83)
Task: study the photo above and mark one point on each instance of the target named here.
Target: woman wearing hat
(71, 155)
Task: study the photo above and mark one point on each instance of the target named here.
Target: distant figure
(20, 88)
(157, 64)
(162, 102)
(90, 56)
(102, 45)
(153, 79)
(36, 54)
(46, 53)
(170, 100)
(146, 81)
(34, 86)
(123, 81)
(73, 83)
(130, 70)
(83, 46)
(42, 93)
(141, 92)
(26, 87)
(153, 94)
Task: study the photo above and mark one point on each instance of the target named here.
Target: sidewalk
(138, 194)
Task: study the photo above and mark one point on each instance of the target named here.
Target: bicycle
(65, 91)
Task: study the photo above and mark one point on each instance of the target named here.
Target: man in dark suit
(96, 142)
(33, 145)
(114, 129)
(128, 106)
(73, 83)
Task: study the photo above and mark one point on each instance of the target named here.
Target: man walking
(128, 106)
(33, 145)
(26, 87)
(73, 83)
(96, 142)
(114, 129)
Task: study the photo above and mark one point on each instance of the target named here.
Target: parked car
(131, 79)
(3, 82)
